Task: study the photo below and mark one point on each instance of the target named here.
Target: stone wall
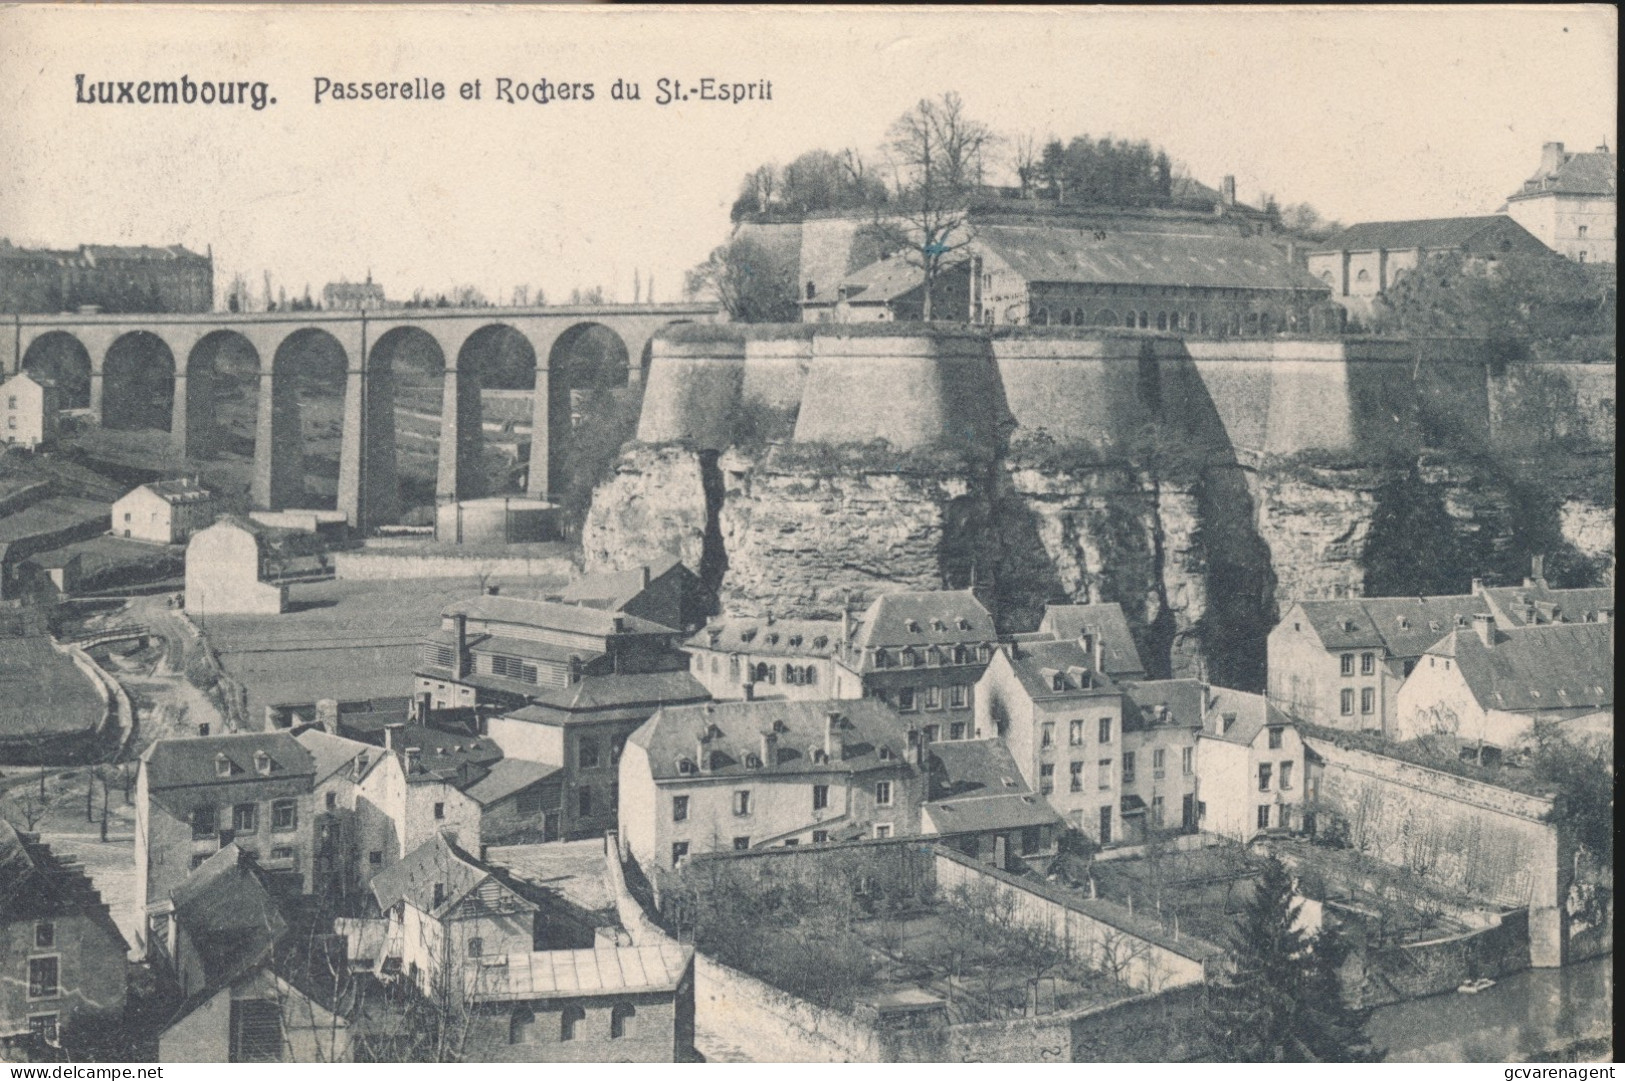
(1419, 969)
(395, 565)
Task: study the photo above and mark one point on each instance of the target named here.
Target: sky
(1367, 114)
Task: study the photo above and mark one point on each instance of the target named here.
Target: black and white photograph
(552, 533)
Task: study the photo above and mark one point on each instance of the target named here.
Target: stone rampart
(694, 390)
(390, 565)
(1080, 390)
(776, 371)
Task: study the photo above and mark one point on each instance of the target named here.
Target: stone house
(1062, 719)
(891, 290)
(979, 805)
(31, 409)
(742, 775)
(1571, 202)
(920, 652)
(1487, 685)
(226, 569)
(736, 656)
(62, 959)
(340, 764)
(196, 796)
(1249, 766)
(416, 790)
(664, 592)
(1161, 722)
(260, 1016)
(1104, 622)
(519, 802)
(164, 512)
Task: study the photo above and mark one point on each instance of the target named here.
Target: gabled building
(227, 565)
(1571, 202)
(197, 796)
(742, 775)
(1102, 630)
(31, 409)
(1161, 721)
(1488, 684)
(978, 804)
(765, 657)
(1535, 601)
(340, 764)
(664, 592)
(920, 652)
(62, 959)
(417, 790)
(164, 512)
(891, 290)
(1249, 766)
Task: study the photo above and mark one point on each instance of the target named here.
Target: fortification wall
(694, 390)
(392, 565)
(1537, 402)
(1078, 389)
(776, 370)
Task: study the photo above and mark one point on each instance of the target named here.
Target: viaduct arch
(368, 342)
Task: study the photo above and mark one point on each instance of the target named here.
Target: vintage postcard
(547, 533)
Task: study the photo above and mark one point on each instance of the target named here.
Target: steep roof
(1252, 713)
(1162, 703)
(1050, 254)
(975, 785)
(457, 759)
(436, 862)
(781, 637)
(329, 753)
(1536, 602)
(867, 734)
(1405, 626)
(1583, 173)
(176, 763)
(1057, 670)
(1104, 620)
(572, 973)
(228, 913)
(614, 589)
(507, 777)
(1554, 666)
(178, 491)
(593, 697)
(553, 615)
(923, 618)
(1429, 234)
(880, 282)
(35, 883)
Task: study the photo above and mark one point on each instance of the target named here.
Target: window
(584, 802)
(741, 843)
(1368, 699)
(1265, 771)
(1128, 767)
(620, 1020)
(476, 946)
(882, 793)
(956, 730)
(1105, 729)
(820, 836)
(522, 1026)
(44, 935)
(282, 852)
(284, 815)
(984, 653)
(332, 801)
(1158, 758)
(1187, 756)
(1286, 776)
(1106, 824)
(42, 1026)
(1156, 811)
(1582, 230)
(1057, 682)
(905, 699)
(958, 696)
(742, 802)
(820, 796)
(1046, 778)
(205, 820)
(1105, 773)
(1263, 816)
(1031, 839)
(375, 858)
(42, 977)
(256, 1031)
(882, 829)
(513, 668)
(1048, 737)
(1346, 664)
(1187, 812)
(440, 810)
(933, 698)
(568, 1020)
(243, 818)
(1075, 733)
(1275, 738)
(678, 852)
(1347, 704)
(933, 733)
(1368, 663)
(679, 808)
(587, 752)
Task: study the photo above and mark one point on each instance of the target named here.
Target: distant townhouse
(742, 775)
(196, 796)
(921, 653)
(1102, 630)
(227, 565)
(353, 296)
(1366, 260)
(62, 959)
(498, 652)
(1571, 202)
(117, 278)
(1063, 722)
(765, 657)
(32, 407)
(978, 804)
(417, 789)
(1249, 766)
(664, 592)
(1161, 722)
(579, 731)
(164, 512)
(1487, 685)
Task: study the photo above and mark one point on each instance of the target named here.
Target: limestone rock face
(1315, 523)
(654, 505)
(1589, 527)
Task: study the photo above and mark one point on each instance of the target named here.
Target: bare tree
(1026, 152)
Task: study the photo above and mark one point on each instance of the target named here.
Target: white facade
(393, 817)
(148, 513)
(28, 411)
(1246, 788)
(225, 574)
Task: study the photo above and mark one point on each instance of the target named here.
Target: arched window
(881, 659)
(522, 1026)
(1066, 317)
(1129, 320)
(810, 290)
(1173, 320)
(1078, 319)
(620, 1020)
(1106, 318)
(763, 672)
(812, 675)
(1145, 320)
(1162, 320)
(1041, 317)
(568, 1020)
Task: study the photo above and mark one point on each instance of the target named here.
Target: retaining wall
(379, 565)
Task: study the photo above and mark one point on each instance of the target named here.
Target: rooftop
(179, 491)
(781, 637)
(1563, 172)
(1057, 669)
(861, 734)
(553, 615)
(1162, 702)
(976, 785)
(597, 697)
(1405, 626)
(1555, 666)
(183, 763)
(921, 618)
(573, 870)
(36, 883)
(612, 589)
(1105, 621)
(570, 973)
(433, 878)
(1252, 713)
(228, 914)
(1429, 234)
(507, 777)
(329, 753)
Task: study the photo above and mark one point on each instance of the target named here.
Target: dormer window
(222, 766)
(885, 754)
(938, 625)
(772, 640)
(1057, 682)
(820, 642)
(964, 624)
(1227, 721)
(780, 726)
(753, 760)
(913, 626)
(795, 641)
(748, 634)
(262, 763)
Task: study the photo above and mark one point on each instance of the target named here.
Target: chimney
(1100, 653)
(327, 715)
(702, 755)
(492, 591)
(1484, 625)
(1478, 587)
(832, 721)
(459, 624)
(770, 749)
(643, 577)
(618, 624)
(413, 754)
(1551, 157)
(1227, 191)
(1537, 570)
(392, 736)
(423, 706)
(203, 728)
(750, 692)
(770, 617)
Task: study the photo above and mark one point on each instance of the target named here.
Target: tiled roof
(783, 637)
(1162, 703)
(1050, 254)
(551, 614)
(922, 618)
(1105, 620)
(1405, 626)
(181, 490)
(731, 732)
(35, 883)
(433, 863)
(578, 973)
(615, 588)
(1039, 665)
(138, 251)
(594, 694)
(172, 763)
(1252, 714)
(976, 785)
(507, 777)
(1428, 234)
(1585, 173)
(1536, 602)
(228, 913)
(1558, 666)
(331, 753)
(879, 282)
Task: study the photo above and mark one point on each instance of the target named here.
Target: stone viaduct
(368, 341)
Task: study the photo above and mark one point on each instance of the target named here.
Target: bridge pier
(460, 475)
(539, 479)
(191, 423)
(368, 487)
(279, 460)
